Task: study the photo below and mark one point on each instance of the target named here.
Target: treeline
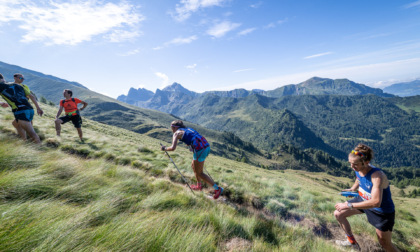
(344, 121)
(312, 160)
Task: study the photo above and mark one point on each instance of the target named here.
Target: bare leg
(21, 132)
(195, 172)
(79, 131)
(198, 170)
(342, 219)
(384, 239)
(58, 123)
(27, 126)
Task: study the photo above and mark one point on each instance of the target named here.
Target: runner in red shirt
(72, 113)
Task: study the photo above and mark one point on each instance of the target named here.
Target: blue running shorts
(201, 155)
(24, 115)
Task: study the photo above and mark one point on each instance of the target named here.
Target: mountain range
(329, 115)
(404, 89)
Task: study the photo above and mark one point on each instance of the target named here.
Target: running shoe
(347, 244)
(198, 187)
(217, 193)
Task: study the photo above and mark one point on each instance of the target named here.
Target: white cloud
(365, 74)
(186, 7)
(256, 5)
(180, 40)
(71, 23)
(192, 68)
(244, 70)
(219, 30)
(177, 41)
(246, 31)
(275, 24)
(317, 55)
(129, 53)
(119, 36)
(413, 4)
(164, 77)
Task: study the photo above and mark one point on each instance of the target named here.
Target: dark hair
(178, 123)
(18, 75)
(69, 92)
(366, 152)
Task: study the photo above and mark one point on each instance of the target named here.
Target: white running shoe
(347, 244)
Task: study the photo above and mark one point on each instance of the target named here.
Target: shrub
(144, 149)
(124, 161)
(52, 143)
(109, 156)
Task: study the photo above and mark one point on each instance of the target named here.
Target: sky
(111, 46)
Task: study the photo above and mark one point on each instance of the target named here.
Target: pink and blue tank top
(193, 139)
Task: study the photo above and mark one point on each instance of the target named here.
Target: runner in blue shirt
(374, 200)
(201, 148)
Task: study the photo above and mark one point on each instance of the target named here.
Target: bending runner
(16, 96)
(19, 80)
(374, 200)
(71, 111)
(201, 148)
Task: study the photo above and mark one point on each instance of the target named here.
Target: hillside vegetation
(116, 191)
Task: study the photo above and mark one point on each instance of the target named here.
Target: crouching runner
(374, 200)
(201, 148)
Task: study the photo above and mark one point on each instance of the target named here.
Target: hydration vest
(193, 139)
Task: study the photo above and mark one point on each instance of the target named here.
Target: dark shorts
(24, 115)
(75, 119)
(382, 221)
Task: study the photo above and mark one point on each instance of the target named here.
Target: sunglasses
(358, 153)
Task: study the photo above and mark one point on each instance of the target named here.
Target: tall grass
(116, 191)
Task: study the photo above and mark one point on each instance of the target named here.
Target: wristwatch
(350, 205)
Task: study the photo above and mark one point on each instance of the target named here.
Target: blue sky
(110, 46)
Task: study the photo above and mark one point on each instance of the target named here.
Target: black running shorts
(75, 119)
(382, 221)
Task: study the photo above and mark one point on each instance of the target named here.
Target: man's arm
(376, 193)
(84, 105)
(60, 110)
(38, 109)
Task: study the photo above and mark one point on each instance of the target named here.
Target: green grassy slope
(112, 112)
(118, 192)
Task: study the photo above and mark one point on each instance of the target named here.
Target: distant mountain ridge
(9, 70)
(314, 86)
(405, 88)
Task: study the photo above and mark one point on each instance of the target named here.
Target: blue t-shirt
(365, 189)
(195, 140)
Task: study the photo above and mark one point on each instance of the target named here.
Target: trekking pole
(208, 173)
(178, 170)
